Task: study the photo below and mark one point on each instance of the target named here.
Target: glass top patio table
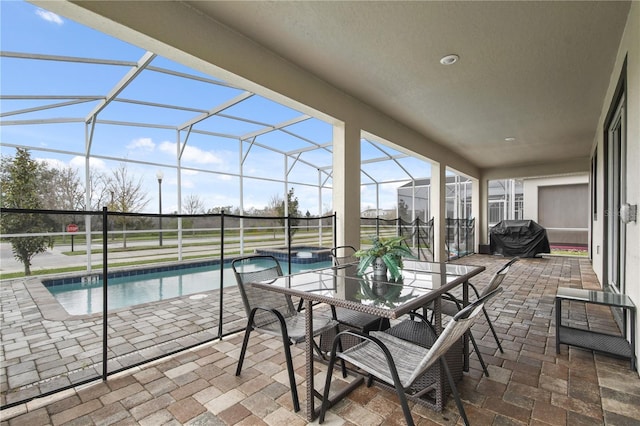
(341, 286)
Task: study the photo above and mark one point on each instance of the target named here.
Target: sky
(211, 162)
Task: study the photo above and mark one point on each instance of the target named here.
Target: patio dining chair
(451, 305)
(399, 362)
(273, 313)
(342, 255)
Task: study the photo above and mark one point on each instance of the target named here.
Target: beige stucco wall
(629, 49)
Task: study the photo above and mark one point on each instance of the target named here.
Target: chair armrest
(475, 290)
(275, 312)
(450, 297)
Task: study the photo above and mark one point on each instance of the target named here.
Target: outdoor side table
(616, 345)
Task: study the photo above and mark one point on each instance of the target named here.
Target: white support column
(346, 183)
(439, 209)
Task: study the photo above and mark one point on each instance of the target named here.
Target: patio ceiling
(533, 71)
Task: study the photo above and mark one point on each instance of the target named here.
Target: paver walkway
(529, 383)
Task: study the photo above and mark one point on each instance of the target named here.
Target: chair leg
(327, 385)
(243, 351)
(495, 335)
(454, 391)
(342, 363)
(292, 378)
(475, 346)
(405, 405)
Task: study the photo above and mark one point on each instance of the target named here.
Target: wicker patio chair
(273, 313)
(400, 362)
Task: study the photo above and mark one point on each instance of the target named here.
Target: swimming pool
(83, 295)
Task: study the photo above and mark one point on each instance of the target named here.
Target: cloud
(143, 144)
(49, 16)
(52, 163)
(95, 163)
(192, 154)
(187, 184)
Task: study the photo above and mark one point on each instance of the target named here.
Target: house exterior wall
(629, 49)
(577, 230)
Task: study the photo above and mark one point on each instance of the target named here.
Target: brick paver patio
(528, 383)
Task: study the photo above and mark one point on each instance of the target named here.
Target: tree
(403, 211)
(192, 204)
(128, 196)
(99, 190)
(20, 180)
(226, 209)
(61, 188)
(278, 205)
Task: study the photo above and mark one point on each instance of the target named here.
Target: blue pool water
(80, 296)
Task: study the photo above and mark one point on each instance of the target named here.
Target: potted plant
(384, 254)
(382, 292)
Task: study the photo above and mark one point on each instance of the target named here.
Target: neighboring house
(561, 205)
(381, 213)
(558, 203)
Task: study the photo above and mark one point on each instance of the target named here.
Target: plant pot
(380, 288)
(379, 267)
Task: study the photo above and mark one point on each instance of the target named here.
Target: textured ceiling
(536, 71)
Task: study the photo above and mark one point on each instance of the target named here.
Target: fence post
(105, 304)
(417, 225)
(221, 272)
(458, 223)
(289, 242)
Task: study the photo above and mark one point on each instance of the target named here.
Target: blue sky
(29, 29)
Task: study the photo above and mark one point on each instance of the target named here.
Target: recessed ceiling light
(510, 139)
(449, 59)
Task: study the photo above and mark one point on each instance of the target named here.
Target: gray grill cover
(524, 238)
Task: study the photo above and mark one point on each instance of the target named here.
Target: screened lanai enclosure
(135, 132)
(194, 135)
(505, 199)
(151, 177)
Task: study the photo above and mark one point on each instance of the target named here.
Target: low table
(616, 345)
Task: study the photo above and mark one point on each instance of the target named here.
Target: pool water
(82, 298)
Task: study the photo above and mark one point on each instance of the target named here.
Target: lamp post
(160, 175)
